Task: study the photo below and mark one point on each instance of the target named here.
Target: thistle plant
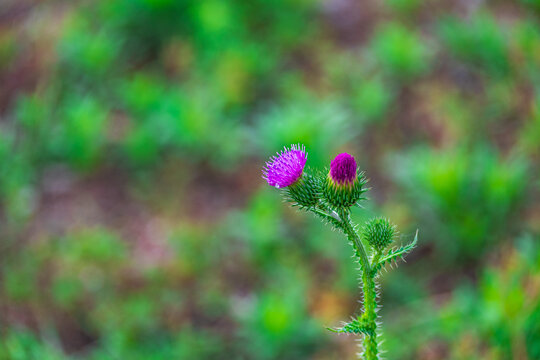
(330, 195)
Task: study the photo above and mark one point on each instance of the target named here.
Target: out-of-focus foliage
(467, 198)
(400, 52)
(133, 220)
(478, 41)
(496, 318)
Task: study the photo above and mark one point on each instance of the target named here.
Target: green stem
(344, 214)
(328, 215)
(368, 287)
(374, 261)
(370, 317)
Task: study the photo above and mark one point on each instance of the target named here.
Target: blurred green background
(134, 223)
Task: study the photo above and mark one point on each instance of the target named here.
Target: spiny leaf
(353, 327)
(395, 254)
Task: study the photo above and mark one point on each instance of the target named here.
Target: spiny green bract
(305, 192)
(379, 233)
(346, 195)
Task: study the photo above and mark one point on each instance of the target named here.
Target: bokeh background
(134, 223)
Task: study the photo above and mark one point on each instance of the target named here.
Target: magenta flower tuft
(343, 169)
(286, 168)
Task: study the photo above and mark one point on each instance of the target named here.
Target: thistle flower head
(343, 169)
(286, 167)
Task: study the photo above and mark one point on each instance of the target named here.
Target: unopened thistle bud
(379, 233)
(344, 184)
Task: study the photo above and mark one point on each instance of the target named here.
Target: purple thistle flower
(286, 168)
(343, 169)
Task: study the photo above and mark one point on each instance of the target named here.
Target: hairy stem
(353, 237)
(370, 316)
(330, 218)
(368, 287)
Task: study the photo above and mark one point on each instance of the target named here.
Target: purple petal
(286, 168)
